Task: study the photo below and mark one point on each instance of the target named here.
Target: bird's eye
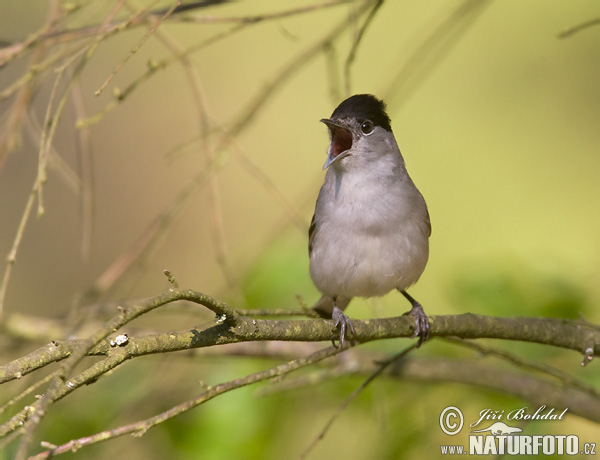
(367, 127)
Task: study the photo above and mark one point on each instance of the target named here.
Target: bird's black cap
(364, 107)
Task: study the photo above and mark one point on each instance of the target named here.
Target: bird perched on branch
(370, 230)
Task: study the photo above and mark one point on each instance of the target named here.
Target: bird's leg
(421, 321)
(341, 320)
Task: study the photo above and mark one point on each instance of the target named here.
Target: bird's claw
(341, 320)
(421, 323)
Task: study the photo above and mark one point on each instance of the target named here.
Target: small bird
(370, 230)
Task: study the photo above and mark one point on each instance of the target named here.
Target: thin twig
(28, 391)
(527, 364)
(141, 427)
(84, 150)
(50, 124)
(57, 384)
(145, 245)
(55, 15)
(241, 23)
(38, 69)
(428, 51)
(333, 75)
(578, 28)
(278, 312)
(137, 47)
(382, 367)
(62, 36)
(357, 41)
(12, 255)
(154, 233)
(291, 211)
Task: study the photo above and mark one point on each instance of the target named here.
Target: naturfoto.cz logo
(494, 436)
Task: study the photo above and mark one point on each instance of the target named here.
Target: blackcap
(370, 230)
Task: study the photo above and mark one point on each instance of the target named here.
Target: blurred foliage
(518, 288)
(277, 275)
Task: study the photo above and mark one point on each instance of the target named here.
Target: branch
(381, 367)
(578, 28)
(231, 327)
(533, 389)
(139, 428)
(57, 389)
(551, 389)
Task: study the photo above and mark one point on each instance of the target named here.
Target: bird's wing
(311, 235)
(428, 223)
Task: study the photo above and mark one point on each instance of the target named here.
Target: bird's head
(359, 127)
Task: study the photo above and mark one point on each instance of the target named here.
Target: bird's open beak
(341, 141)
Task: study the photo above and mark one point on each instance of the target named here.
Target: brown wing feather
(428, 222)
(311, 235)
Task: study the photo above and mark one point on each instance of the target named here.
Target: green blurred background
(496, 116)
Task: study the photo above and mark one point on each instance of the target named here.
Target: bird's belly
(373, 267)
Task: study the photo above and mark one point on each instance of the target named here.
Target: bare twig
(428, 53)
(520, 385)
(154, 233)
(136, 48)
(139, 428)
(382, 367)
(76, 355)
(49, 129)
(333, 76)
(144, 246)
(527, 364)
(357, 41)
(578, 28)
(84, 148)
(28, 391)
(241, 23)
(291, 211)
(54, 16)
(62, 36)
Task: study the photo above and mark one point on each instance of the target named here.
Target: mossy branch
(231, 327)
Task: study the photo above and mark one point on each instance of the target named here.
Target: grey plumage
(370, 230)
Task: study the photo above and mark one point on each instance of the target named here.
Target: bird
(370, 230)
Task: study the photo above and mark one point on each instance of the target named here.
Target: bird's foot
(421, 322)
(341, 320)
